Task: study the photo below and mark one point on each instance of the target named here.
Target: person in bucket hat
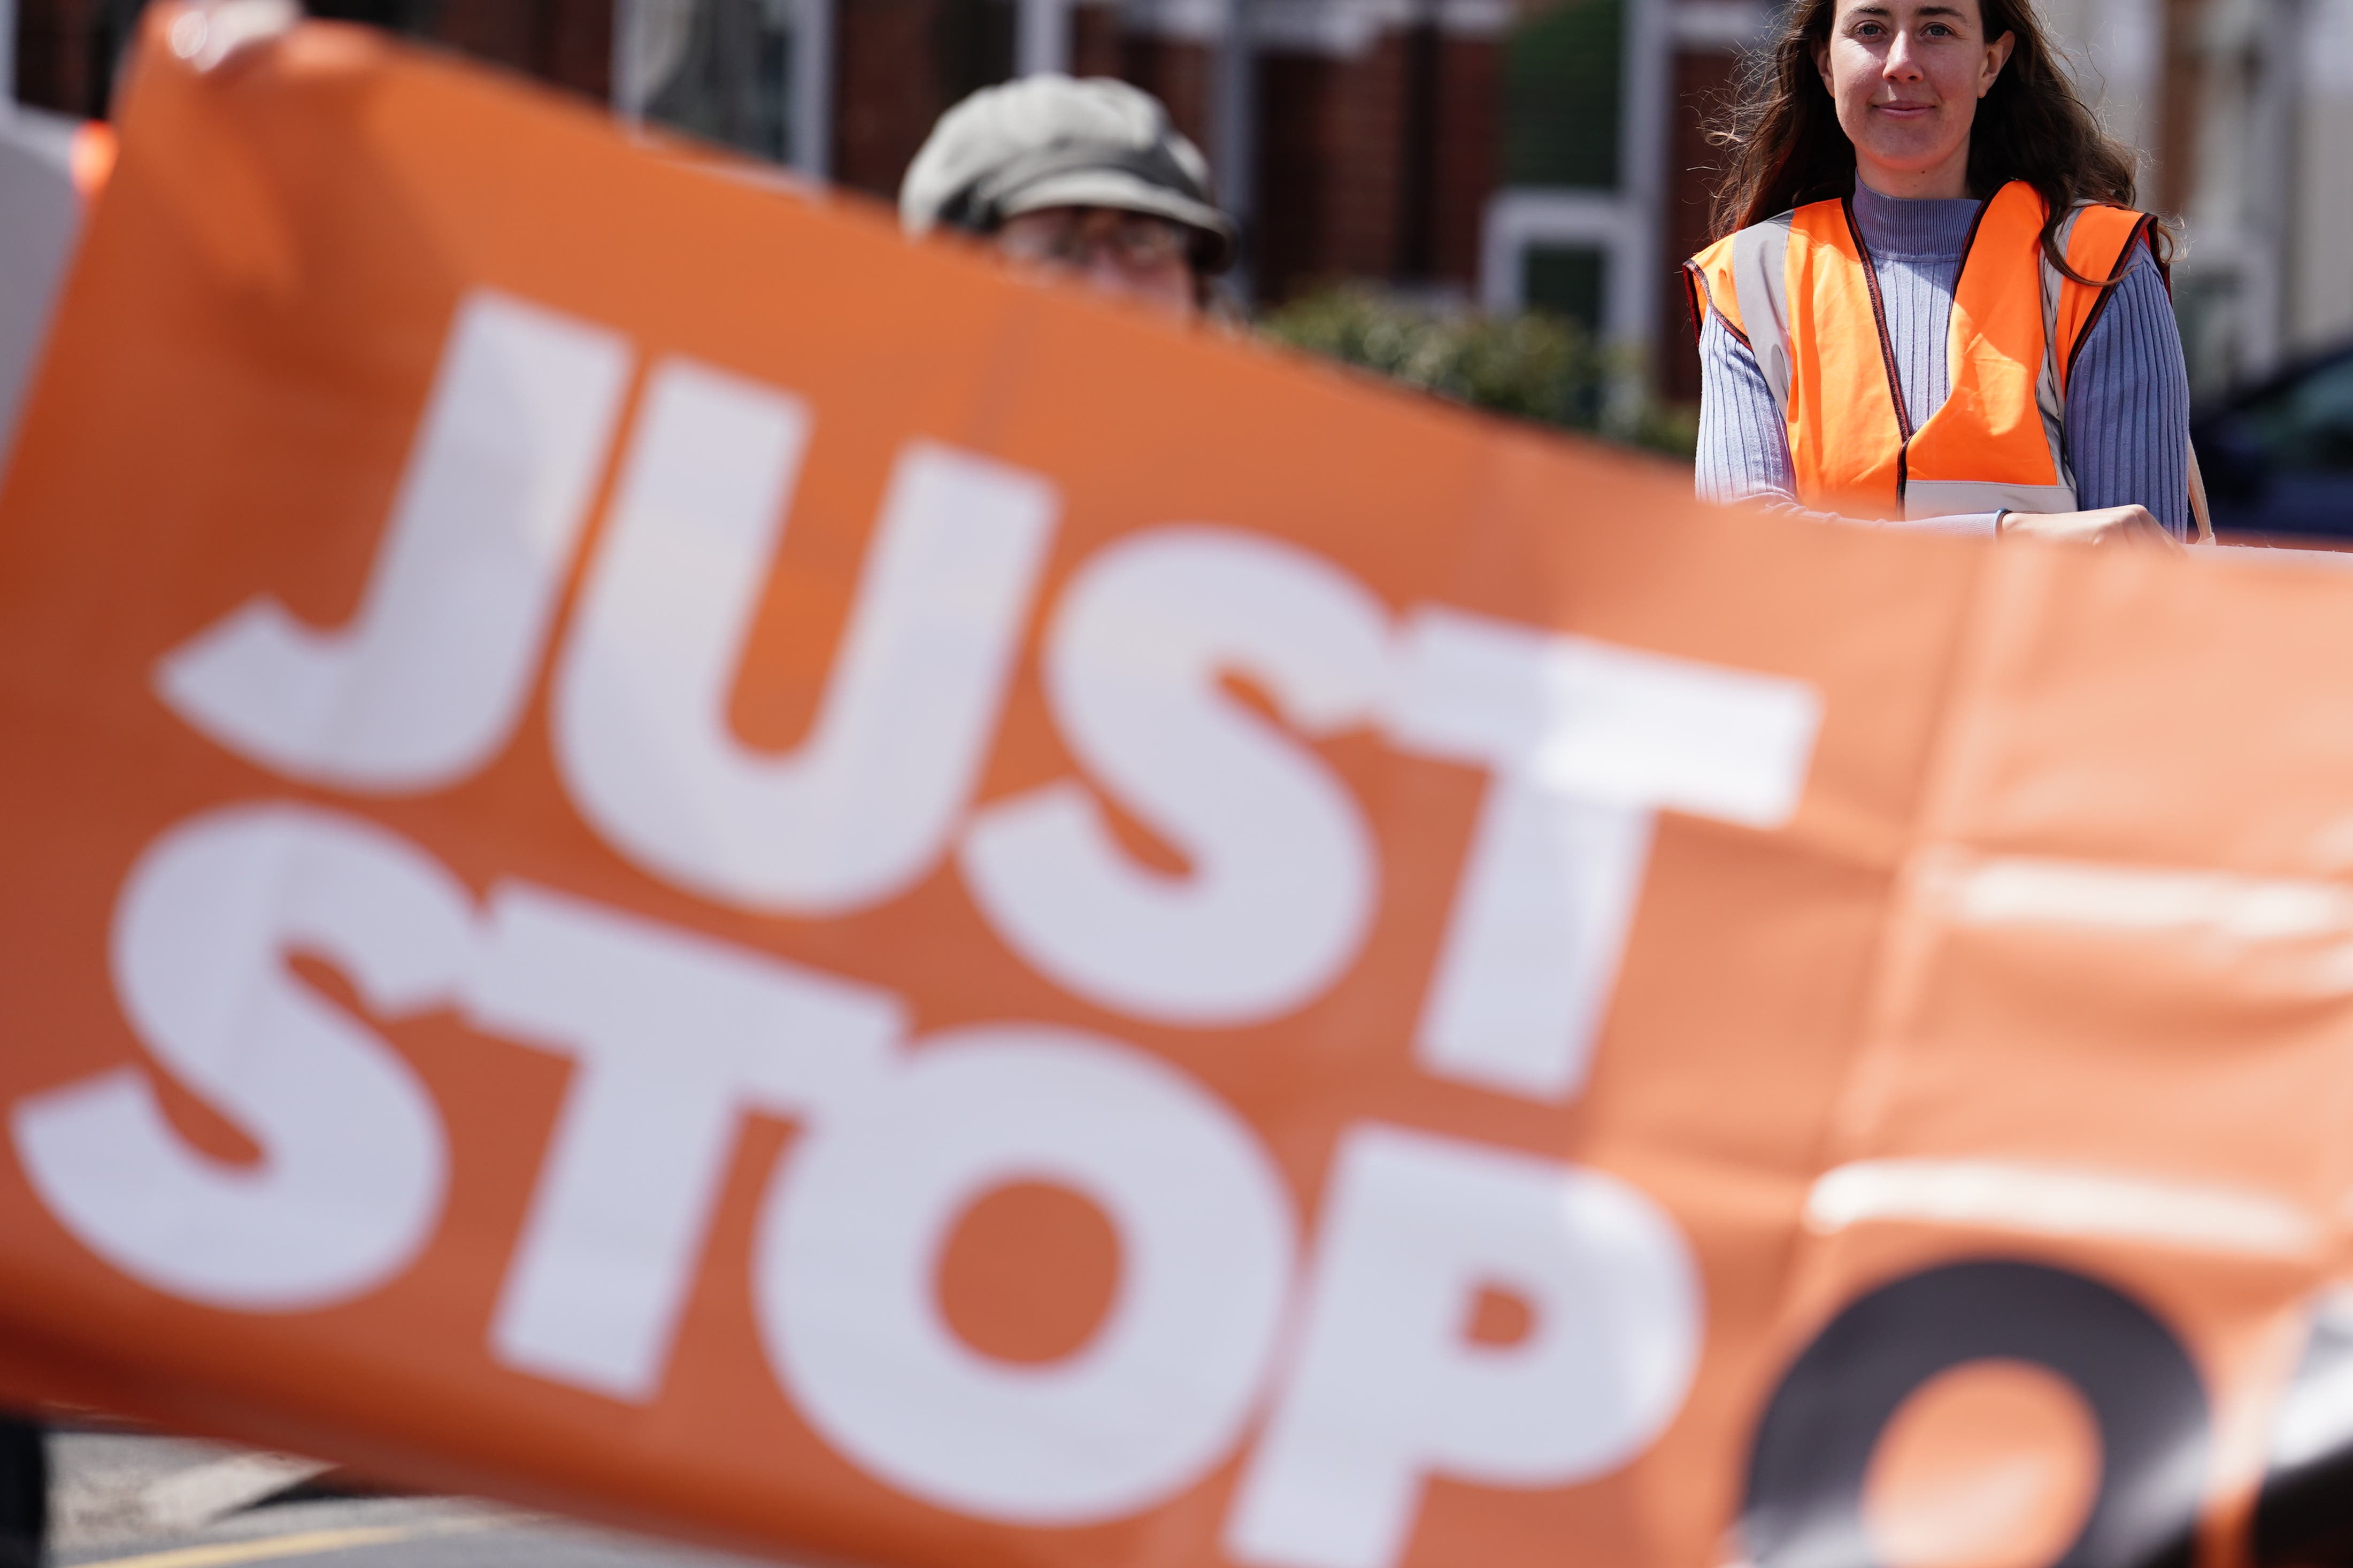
(1088, 178)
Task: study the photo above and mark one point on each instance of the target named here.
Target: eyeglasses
(1134, 242)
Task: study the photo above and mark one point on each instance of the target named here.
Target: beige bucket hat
(1048, 141)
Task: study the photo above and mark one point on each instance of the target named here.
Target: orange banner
(668, 857)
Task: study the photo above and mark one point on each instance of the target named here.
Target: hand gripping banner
(668, 857)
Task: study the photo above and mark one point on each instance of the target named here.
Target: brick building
(1511, 151)
(1356, 138)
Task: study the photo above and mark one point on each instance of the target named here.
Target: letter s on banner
(428, 680)
(352, 1161)
(864, 808)
(853, 1235)
(1283, 878)
(1387, 1392)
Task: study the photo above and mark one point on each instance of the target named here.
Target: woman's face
(1907, 76)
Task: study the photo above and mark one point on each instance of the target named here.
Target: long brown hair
(1781, 128)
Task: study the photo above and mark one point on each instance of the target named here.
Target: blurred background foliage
(1529, 365)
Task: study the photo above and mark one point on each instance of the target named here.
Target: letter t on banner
(1585, 741)
(675, 1037)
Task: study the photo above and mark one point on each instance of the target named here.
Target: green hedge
(1530, 365)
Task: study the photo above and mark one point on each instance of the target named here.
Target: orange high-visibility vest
(1799, 289)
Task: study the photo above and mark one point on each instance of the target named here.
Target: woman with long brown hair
(1931, 300)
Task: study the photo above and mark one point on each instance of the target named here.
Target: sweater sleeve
(2127, 421)
(1743, 449)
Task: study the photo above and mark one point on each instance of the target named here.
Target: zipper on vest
(1886, 343)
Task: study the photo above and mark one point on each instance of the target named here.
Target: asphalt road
(119, 1500)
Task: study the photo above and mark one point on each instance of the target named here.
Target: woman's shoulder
(1783, 220)
(2088, 203)
(1720, 252)
(2115, 224)
(2109, 240)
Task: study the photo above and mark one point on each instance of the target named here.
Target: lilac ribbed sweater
(2126, 429)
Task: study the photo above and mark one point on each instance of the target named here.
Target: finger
(210, 36)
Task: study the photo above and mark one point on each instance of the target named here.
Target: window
(1561, 87)
(721, 70)
(1568, 281)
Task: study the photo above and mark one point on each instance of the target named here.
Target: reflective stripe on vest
(1800, 290)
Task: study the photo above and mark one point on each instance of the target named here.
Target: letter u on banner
(864, 807)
